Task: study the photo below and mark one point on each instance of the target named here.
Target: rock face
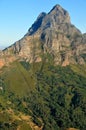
(51, 34)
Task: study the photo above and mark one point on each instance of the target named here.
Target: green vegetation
(53, 96)
(25, 126)
(83, 56)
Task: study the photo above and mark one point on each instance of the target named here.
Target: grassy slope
(18, 79)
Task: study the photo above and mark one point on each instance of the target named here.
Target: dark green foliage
(58, 94)
(83, 56)
(7, 126)
(25, 64)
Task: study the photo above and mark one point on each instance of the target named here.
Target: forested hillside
(51, 97)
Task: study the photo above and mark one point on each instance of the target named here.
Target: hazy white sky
(16, 16)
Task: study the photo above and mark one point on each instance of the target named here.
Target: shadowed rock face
(53, 34)
(37, 24)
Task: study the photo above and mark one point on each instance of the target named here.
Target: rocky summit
(52, 34)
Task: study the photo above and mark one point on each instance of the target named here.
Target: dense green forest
(53, 96)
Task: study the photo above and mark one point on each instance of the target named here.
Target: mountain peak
(51, 33)
(56, 7)
(60, 13)
(55, 17)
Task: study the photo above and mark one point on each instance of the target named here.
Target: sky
(16, 16)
